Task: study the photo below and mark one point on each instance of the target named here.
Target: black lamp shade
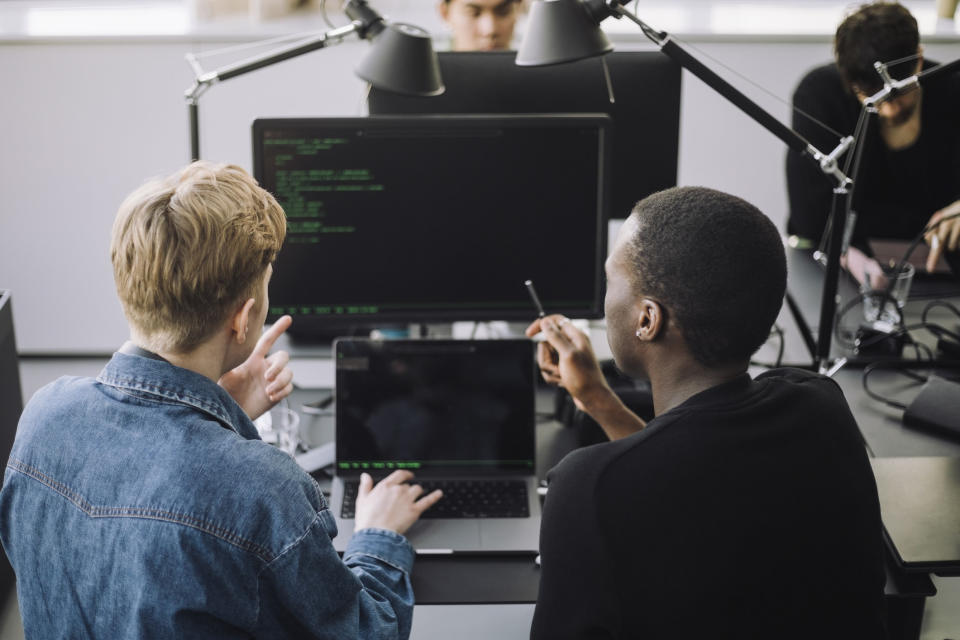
(560, 31)
(402, 59)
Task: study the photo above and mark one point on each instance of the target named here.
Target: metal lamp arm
(205, 79)
(826, 161)
(365, 22)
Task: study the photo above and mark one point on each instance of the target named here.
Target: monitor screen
(423, 219)
(642, 98)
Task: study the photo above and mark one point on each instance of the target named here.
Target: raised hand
(262, 380)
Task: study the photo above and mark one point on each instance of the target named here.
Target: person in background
(747, 507)
(910, 171)
(143, 504)
(946, 9)
(480, 25)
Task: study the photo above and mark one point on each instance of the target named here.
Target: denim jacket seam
(291, 545)
(392, 563)
(183, 397)
(146, 395)
(319, 493)
(147, 513)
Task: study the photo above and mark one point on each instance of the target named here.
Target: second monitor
(641, 95)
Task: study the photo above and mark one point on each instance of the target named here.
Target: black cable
(939, 303)
(901, 265)
(886, 296)
(852, 304)
(866, 387)
(778, 331)
(903, 367)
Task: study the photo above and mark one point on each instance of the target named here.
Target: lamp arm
(843, 190)
(205, 79)
(826, 161)
(892, 88)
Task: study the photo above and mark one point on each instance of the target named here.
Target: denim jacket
(143, 504)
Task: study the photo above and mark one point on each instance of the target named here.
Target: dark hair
(877, 32)
(716, 263)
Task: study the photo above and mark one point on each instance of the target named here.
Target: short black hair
(718, 265)
(876, 32)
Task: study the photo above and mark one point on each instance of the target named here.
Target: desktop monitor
(435, 219)
(11, 404)
(642, 98)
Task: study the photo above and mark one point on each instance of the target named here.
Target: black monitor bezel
(345, 324)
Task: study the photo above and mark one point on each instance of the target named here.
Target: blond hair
(187, 249)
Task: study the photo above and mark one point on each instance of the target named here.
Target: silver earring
(638, 333)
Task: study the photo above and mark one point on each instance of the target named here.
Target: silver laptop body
(460, 410)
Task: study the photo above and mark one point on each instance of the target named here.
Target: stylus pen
(536, 300)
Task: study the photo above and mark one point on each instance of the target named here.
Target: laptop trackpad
(444, 534)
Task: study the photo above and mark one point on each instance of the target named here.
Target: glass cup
(884, 296)
(280, 427)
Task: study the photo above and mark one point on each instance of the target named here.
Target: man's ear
(443, 8)
(241, 320)
(651, 319)
(919, 58)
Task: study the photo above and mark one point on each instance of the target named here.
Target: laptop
(458, 413)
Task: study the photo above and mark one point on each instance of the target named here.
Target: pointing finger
(265, 343)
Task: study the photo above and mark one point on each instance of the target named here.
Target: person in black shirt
(910, 171)
(747, 507)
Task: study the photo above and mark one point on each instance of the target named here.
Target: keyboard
(462, 498)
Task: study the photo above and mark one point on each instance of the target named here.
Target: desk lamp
(566, 30)
(401, 59)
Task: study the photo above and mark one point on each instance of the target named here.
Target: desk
(905, 460)
(494, 595)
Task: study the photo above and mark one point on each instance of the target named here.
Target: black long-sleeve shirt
(749, 511)
(895, 192)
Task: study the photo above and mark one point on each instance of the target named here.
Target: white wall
(83, 123)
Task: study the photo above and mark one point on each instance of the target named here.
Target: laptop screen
(435, 405)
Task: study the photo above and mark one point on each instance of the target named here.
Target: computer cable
(776, 330)
(885, 297)
(948, 341)
(904, 261)
(947, 305)
(903, 368)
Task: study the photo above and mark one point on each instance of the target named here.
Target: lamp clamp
(891, 88)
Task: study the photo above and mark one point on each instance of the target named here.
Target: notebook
(458, 413)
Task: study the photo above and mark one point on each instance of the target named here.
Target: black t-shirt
(895, 192)
(749, 511)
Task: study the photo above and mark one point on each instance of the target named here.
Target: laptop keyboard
(462, 498)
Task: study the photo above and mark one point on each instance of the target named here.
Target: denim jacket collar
(149, 377)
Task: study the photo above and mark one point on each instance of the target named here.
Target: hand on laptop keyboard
(477, 498)
(391, 504)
